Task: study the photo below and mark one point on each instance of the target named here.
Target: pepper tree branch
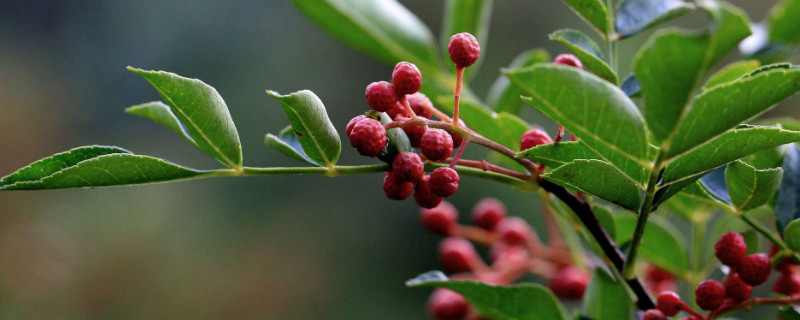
(583, 210)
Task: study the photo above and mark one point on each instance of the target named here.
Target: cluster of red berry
(514, 251)
(746, 271)
(401, 100)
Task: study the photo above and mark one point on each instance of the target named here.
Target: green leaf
(783, 122)
(116, 167)
(605, 298)
(789, 313)
(592, 109)
(286, 142)
(311, 124)
(667, 68)
(673, 62)
(587, 51)
(504, 95)
(60, 161)
(161, 114)
(732, 72)
(598, 178)
(749, 187)
(516, 302)
(592, 11)
(700, 195)
(686, 207)
(635, 16)
(556, 154)
(200, 108)
(729, 105)
(384, 29)
(662, 243)
(471, 16)
(782, 20)
(728, 147)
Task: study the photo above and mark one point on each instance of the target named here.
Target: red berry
(457, 254)
(487, 213)
(709, 295)
(654, 314)
(368, 137)
(439, 219)
(514, 231)
(569, 60)
(381, 96)
(407, 166)
(420, 103)
(423, 195)
(436, 144)
(349, 128)
(669, 303)
(754, 269)
(787, 284)
(446, 304)
(396, 189)
(735, 288)
(569, 283)
(730, 248)
(657, 274)
(464, 49)
(406, 78)
(415, 134)
(444, 182)
(534, 137)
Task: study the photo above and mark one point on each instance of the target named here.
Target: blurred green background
(248, 248)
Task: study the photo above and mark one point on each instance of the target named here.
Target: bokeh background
(251, 248)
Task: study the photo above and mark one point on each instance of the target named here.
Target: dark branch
(584, 212)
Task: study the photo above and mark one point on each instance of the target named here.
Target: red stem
(457, 93)
(459, 153)
(467, 134)
(407, 106)
(689, 310)
(559, 133)
(747, 304)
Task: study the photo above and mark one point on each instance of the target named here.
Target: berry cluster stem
(460, 152)
(468, 135)
(457, 94)
(407, 106)
(749, 304)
